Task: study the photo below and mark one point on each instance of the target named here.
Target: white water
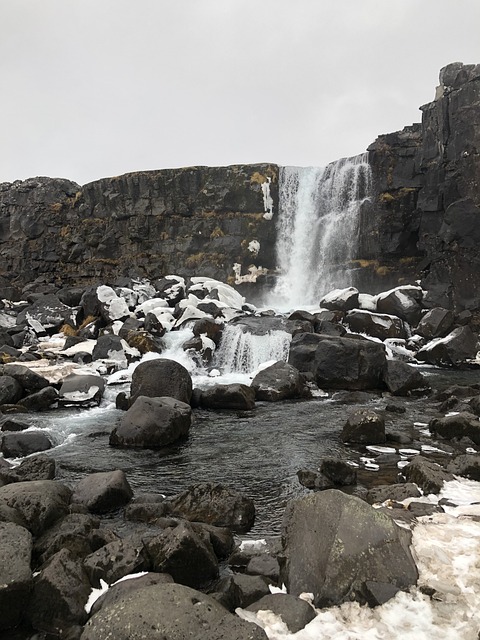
(241, 351)
(318, 228)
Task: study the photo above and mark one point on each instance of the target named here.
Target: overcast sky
(92, 88)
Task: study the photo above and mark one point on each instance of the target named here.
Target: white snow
(254, 247)
(267, 199)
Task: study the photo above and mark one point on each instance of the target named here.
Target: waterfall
(318, 228)
(242, 351)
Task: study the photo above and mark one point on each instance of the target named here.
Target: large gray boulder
(436, 323)
(340, 299)
(459, 345)
(30, 380)
(82, 390)
(20, 444)
(153, 423)
(159, 378)
(401, 379)
(403, 301)
(234, 396)
(294, 612)
(428, 475)
(116, 560)
(456, 427)
(377, 325)
(168, 611)
(334, 545)
(16, 576)
(104, 491)
(364, 426)
(279, 381)
(10, 390)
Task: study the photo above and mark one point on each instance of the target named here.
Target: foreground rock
(364, 426)
(103, 492)
(152, 423)
(168, 611)
(159, 378)
(294, 612)
(16, 576)
(459, 345)
(280, 381)
(235, 396)
(336, 545)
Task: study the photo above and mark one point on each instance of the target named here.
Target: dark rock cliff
(196, 220)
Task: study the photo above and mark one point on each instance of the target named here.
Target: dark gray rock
(403, 302)
(375, 324)
(159, 378)
(15, 572)
(10, 390)
(120, 590)
(264, 565)
(103, 492)
(39, 467)
(215, 504)
(338, 471)
(12, 424)
(294, 612)
(116, 560)
(280, 381)
(401, 379)
(20, 444)
(459, 345)
(302, 351)
(40, 502)
(436, 323)
(467, 465)
(428, 475)
(334, 544)
(82, 390)
(395, 492)
(456, 427)
(152, 423)
(340, 299)
(48, 310)
(250, 588)
(364, 426)
(311, 479)
(30, 381)
(40, 400)
(108, 347)
(228, 396)
(73, 532)
(169, 611)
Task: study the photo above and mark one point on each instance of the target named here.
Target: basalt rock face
(196, 220)
(423, 219)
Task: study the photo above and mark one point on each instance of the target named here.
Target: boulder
(182, 553)
(338, 471)
(152, 422)
(334, 544)
(340, 299)
(169, 611)
(12, 424)
(280, 381)
(48, 310)
(215, 504)
(364, 426)
(20, 444)
(40, 502)
(15, 572)
(249, 589)
(375, 324)
(264, 565)
(302, 351)
(109, 347)
(294, 612)
(228, 396)
(30, 381)
(397, 492)
(10, 390)
(39, 467)
(401, 378)
(60, 592)
(40, 400)
(73, 532)
(116, 560)
(459, 345)
(111, 306)
(311, 479)
(428, 475)
(122, 589)
(159, 378)
(403, 302)
(82, 390)
(467, 465)
(458, 426)
(436, 323)
(103, 492)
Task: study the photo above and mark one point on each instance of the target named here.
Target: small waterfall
(318, 227)
(241, 351)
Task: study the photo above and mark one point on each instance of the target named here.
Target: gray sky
(92, 88)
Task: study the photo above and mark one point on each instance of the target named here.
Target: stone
(102, 492)
(334, 544)
(159, 378)
(20, 444)
(234, 396)
(250, 588)
(294, 612)
(436, 323)
(403, 302)
(12, 424)
(109, 347)
(40, 502)
(169, 611)
(264, 565)
(340, 299)
(73, 532)
(401, 378)
(40, 400)
(152, 423)
(364, 426)
(375, 324)
(15, 572)
(182, 553)
(280, 381)
(463, 424)
(10, 390)
(122, 589)
(459, 345)
(81, 390)
(39, 467)
(60, 592)
(467, 465)
(397, 492)
(428, 475)
(30, 381)
(338, 471)
(48, 310)
(215, 504)
(311, 479)
(116, 560)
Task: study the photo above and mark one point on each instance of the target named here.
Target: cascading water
(242, 351)
(318, 228)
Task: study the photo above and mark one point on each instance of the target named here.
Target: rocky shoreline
(61, 347)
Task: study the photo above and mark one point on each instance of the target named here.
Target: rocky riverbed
(132, 443)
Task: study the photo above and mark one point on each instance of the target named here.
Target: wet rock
(364, 426)
(215, 504)
(10, 390)
(169, 610)
(403, 302)
(456, 427)
(280, 381)
(459, 345)
(18, 445)
(264, 565)
(16, 576)
(420, 509)
(188, 557)
(375, 324)
(147, 512)
(39, 467)
(82, 390)
(302, 351)
(30, 381)
(397, 492)
(228, 396)
(59, 595)
(339, 472)
(475, 405)
(436, 323)
(40, 502)
(73, 532)
(250, 588)
(103, 492)
(161, 377)
(116, 560)
(12, 424)
(152, 423)
(428, 475)
(311, 479)
(334, 544)
(294, 612)
(40, 400)
(401, 379)
(467, 465)
(340, 299)
(221, 538)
